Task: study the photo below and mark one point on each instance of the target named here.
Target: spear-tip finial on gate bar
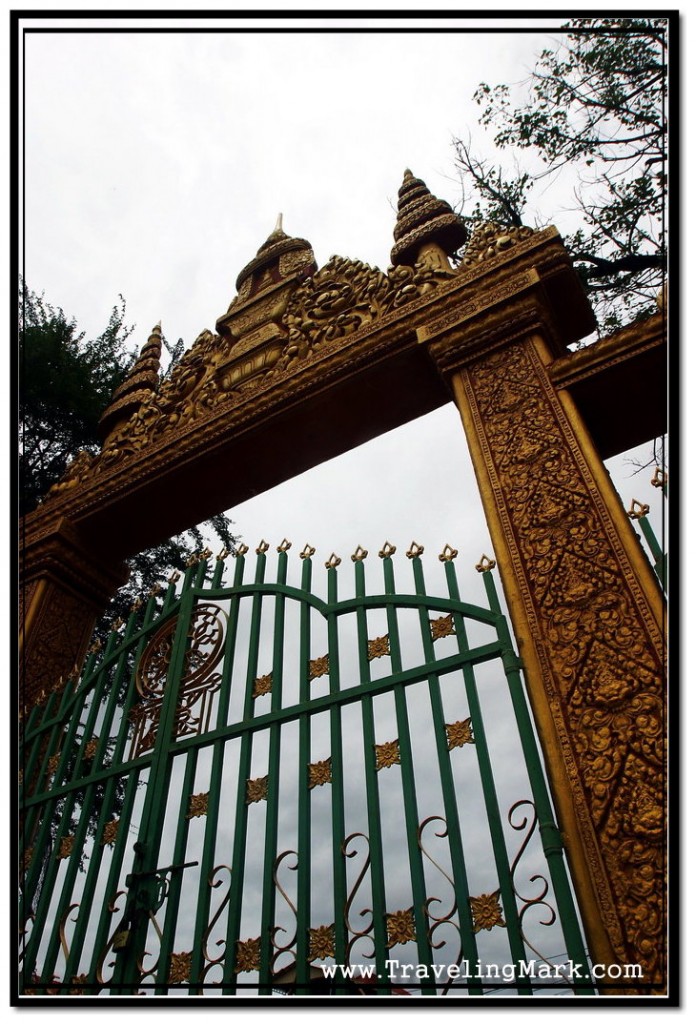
(175, 576)
(284, 545)
(359, 555)
(659, 477)
(388, 550)
(486, 564)
(415, 551)
(222, 554)
(262, 548)
(307, 551)
(333, 562)
(241, 550)
(448, 553)
(637, 510)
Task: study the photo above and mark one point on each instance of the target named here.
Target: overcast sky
(155, 166)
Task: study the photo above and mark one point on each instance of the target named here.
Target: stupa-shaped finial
(141, 381)
(422, 218)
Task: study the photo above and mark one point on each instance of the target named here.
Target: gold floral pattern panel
(593, 628)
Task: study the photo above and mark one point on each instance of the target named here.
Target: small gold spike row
(415, 551)
(486, 564)
(322, 942)
(388, 550)
(333, 562)
(637, 510)
(319, 773)
(262, 548)
(458, 733)
(401, 927)
(264, 684)
(442, 627)
(387, 754)
(359, 555)
(241, 550)
(307, 551)
(486, 911)
(257, 789)
(659, 478)
(248, 956)
(378, 647)
(448, 553)
(284, 545)
(319, 667)
(222, 554)
(198, 805)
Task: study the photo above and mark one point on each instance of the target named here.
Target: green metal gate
(254, 789)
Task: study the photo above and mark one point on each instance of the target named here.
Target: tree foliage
(66, 382)
(593, 118)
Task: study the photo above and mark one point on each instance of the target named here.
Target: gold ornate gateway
(491, 331)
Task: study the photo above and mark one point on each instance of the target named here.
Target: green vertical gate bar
(552, 841)
(33, 878)
(216, 772)
(107, 920)
(379, 903)
(112, 707)
(495, 823)
(338, 815)
(408, 784)
(304, 810)
(274, 739)
(242, 812)
(35, 778)
(110, 888)
(659, 557)
(176, 878)
(449, 795)
(142, 889)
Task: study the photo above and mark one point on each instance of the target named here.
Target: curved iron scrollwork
(435, 921)
(538, 901)
(211, 961)
(278, 947)
(198, 681)
(355, 933)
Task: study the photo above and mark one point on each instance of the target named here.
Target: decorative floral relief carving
(605, 665)
(486, 911)
(401, 927)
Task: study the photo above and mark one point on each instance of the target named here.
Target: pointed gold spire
(141, 381)
(422, 219)
(268, 257)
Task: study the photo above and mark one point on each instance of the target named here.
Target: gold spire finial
(423, 219)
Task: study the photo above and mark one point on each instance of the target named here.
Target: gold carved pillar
(586, 610)
(65, 586)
